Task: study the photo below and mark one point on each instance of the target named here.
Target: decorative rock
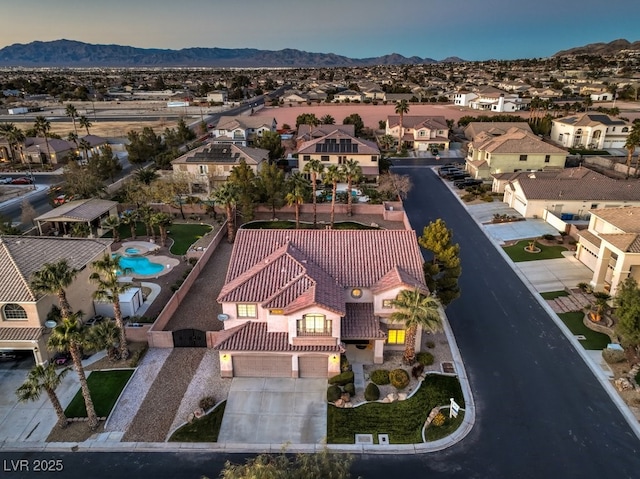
(385, 400)
(339, 403)
(346, 397)
(392, 397)
(623, 384)
(402, 396)
(190, 418)
(348, 404)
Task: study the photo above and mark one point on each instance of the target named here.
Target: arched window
(12, 312)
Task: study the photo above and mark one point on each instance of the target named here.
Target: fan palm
(14, 136)
(352, 171)
(226, 195)
(112, 223)
(130, 217)
(402, 107)
(43, 126)
(72, 113)
(314, 167)
(146, 175)
(332, 176)
(163, 221)
(54, 278)
(415, 309)
(105, 276)
(47, 379)
(85, 123)
(298, 189)
(633, 140)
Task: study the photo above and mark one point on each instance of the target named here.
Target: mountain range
(70, 53)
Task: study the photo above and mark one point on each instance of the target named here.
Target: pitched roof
(360, 323)
(494, 128)
(244, 122)
(515, 140)
(78, 210)
(308, 132)
(21, 256)
(417, 122)
(628, 242)
(212, 153)
(339, 142)
(590, 119)
(627, 220)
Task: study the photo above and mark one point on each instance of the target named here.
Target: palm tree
(146, 175)
(298, 189)
(47, 379)
(54, 278)
(331, 177)
(328, 120)
(314, 167)
(227, 195)
(109, 288)
(352, 171)
(85, 146)
(73, 137)
(130, 217)
(107, 334)
(72, 113)
(43, 126)
(163, 221)
(145, 212)
(14, 136)
(402, 107)
(415, 309)
(85, 123)
(71, 336)
(112, 223)
(633, 140)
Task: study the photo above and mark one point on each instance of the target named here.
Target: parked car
(22, 180)
(6, 180)
(467, 182)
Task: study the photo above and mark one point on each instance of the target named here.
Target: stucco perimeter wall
(389, 210)
(609, 164)
(158, 338)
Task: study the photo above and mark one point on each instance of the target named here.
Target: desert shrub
(342, 378)
(372, 392)
(350, 388)
(344, 364)
(380, 376)
(417, 370)
(399, 378)
(192, 261)
(425, 358)
(207, 402)
(612, 356)
(468, 197)
(333, 393)
(430, 344)
(137, 356)
(548, 237)
(487, 198)
(439, 420)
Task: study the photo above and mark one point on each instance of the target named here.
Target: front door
(189, 338)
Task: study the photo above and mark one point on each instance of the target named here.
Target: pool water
(140, 265)
(132, 251)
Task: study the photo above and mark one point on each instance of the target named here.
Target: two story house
(595, 131)
(23, 312)
(294, 300)
(209, 165)
(241, 130)
(420, 132)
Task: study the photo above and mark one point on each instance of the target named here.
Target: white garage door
(313, 366)
(272, 366)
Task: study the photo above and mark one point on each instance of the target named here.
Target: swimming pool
(140, 265)
(132, 251)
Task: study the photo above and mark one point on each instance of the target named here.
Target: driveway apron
(275, 411)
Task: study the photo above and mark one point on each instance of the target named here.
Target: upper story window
(203, 169)
(547, 158)
(523, 157)
(306, 157)
(387, 303)
(314, 325)
(13, 312)
(247, 311)
(324, 158)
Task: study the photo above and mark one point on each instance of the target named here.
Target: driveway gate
(189, 338)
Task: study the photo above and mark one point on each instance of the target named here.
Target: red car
(23, 180)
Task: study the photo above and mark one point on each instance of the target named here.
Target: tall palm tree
(402, 107)
(314, 167)
(14, 136)
(73, 137)
(297, 190)
(633, 140)
(106, 334)
(71, 336)
(47, 379)
(43, 126)
(415, 309)
(145, 212)
(85, 146)
(332, 176)
(352, 171)
(85, 123)
(226, 195)
(105, 276)
(72, 113)
(55, 278)
(112, 223)
(163, 221)
(130, 217)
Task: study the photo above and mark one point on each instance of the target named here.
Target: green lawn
(184, 235)
(518, 254)
(205, 429)
(401, 420)
(554, 294)
(105, 388)
(434, 433)
(595, 340)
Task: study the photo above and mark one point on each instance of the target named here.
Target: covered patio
(90, 211)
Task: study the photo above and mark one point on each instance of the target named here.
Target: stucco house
(420, 132)
(337, 147)
(611, 247)
(294, 300)
(23, 312)
(348, 96)
(241, 130)
(488, 99)
(515, 150)
(590, 130)
(209, 165)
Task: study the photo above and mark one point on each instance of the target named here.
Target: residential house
(568, 194)
(488, 99)
(294, 300)
(515, 150)
(311, 132)
(591, 130)
(241, 130)
(35, 151)
(494, 128)
(420, 132)
(209, 165)
(294, 96)
(610, 247)
(337, 147)
(23, 312)
(348, 96)
(218, 96)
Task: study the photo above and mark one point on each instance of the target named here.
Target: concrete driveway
(555, 274)
(275, 411)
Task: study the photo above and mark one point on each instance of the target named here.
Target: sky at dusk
(469, 29)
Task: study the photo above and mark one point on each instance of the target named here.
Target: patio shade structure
(90, 211)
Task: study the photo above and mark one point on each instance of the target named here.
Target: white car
(6, 180)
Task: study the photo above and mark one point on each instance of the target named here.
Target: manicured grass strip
(517, 253)
(184, 235)
(205, 429)
(105, 388)
(554, 294)
(433, 433)
(595, 340)
(125, 231)
(401, 420)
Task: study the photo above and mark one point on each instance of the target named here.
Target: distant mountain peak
(610, 48)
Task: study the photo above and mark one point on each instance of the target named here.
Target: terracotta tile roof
(590, 237)
(223, 154)
(253, 336)
(398, 277)
(416, 122)
(590, 119)
(360, 323)
(21, 256)
(20, 334)
(589, 186)
(244, 122)
(79, 210)
(627, 220)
